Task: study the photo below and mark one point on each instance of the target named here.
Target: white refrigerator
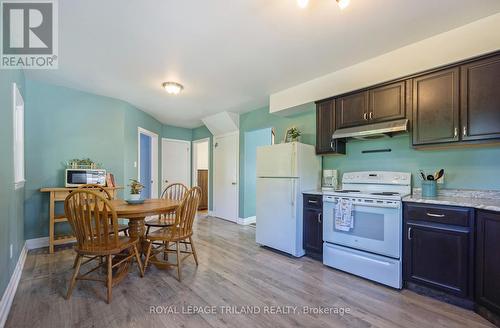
(284, 171)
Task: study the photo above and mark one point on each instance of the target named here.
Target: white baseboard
(37, 243)
(10, 291)
(246, 221)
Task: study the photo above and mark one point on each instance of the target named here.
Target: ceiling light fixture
(343, 3)
(172, 88)
(302, 3)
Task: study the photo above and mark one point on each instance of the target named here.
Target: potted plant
(135, 189)
(292, 134)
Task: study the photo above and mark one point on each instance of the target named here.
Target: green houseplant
(292, 134)
(135, 189)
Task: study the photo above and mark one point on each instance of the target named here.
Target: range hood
(372, 131)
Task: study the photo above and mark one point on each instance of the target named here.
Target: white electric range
(372, 247)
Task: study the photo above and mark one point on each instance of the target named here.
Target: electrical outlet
(11, 249)
(135, 164)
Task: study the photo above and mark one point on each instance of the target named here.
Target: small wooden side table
(59, 195)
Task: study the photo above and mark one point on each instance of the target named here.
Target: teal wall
(173, 132)
(11, 201)
(62, 124)
(252, 140)
(465, 168)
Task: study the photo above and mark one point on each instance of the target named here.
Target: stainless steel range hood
(372, 131)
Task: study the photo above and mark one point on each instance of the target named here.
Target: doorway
(226, 171)
(148, 162)
(176, 162)
(200, 176)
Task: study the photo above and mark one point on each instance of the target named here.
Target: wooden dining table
(137, 213)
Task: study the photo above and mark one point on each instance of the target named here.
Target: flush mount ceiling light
(343, 3)
(302, 3)
(172, 88)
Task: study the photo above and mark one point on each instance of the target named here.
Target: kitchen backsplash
(465, 167)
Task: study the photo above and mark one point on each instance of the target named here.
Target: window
(18, 121)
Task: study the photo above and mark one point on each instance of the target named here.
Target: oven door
(377, 228)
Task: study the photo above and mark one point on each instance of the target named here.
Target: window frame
(18, 137)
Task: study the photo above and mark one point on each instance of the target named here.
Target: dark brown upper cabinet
(387, 103)
(480, 105)
(379, 104)
(352, 109)
(436, 107)
(325, 126)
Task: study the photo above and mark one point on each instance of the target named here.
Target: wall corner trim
(10, 291)
(247, 221)
(37, 243)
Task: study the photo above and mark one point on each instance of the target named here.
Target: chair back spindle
(186, 212)
(174, 191)
(92, 218)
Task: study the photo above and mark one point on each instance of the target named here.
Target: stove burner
(385, 193)
(346, 191)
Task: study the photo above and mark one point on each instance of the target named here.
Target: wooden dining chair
(181, 232)
(174, 191)
(121, 226)
(95, 225)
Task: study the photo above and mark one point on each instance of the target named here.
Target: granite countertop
(313, 192)
(486, 200)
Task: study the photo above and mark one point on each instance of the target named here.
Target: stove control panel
(377, 177)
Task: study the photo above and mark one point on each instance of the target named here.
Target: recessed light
(343, 3)
(302, 3)
(172, 88)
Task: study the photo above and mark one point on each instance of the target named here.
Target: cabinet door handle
(455, 135)
(435, 215)
(365, 116)
(312, 201)
(409, 233)
(371, 115)
(319, 217)
(465, 131)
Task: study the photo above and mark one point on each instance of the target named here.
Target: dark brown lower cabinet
(488, 264)
(313, 226)
(438, 255)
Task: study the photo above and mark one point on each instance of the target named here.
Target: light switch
(135, 164)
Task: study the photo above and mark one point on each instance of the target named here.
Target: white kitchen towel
(344, 220)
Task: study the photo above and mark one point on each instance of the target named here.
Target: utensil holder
(429, 188)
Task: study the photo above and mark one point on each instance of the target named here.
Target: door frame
(188, 143)
(194, 160)
(154, 159)
(214, 168)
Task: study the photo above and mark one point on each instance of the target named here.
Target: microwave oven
(78, 177)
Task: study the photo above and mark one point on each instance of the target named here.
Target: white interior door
(176, 162)
(226, 158)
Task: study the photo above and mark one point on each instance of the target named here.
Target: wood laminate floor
(234, 275)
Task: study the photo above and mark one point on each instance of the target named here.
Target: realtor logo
(29, 34)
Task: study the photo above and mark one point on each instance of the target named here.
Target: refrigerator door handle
(293, 192)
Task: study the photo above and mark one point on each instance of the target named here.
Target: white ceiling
(231, 54)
